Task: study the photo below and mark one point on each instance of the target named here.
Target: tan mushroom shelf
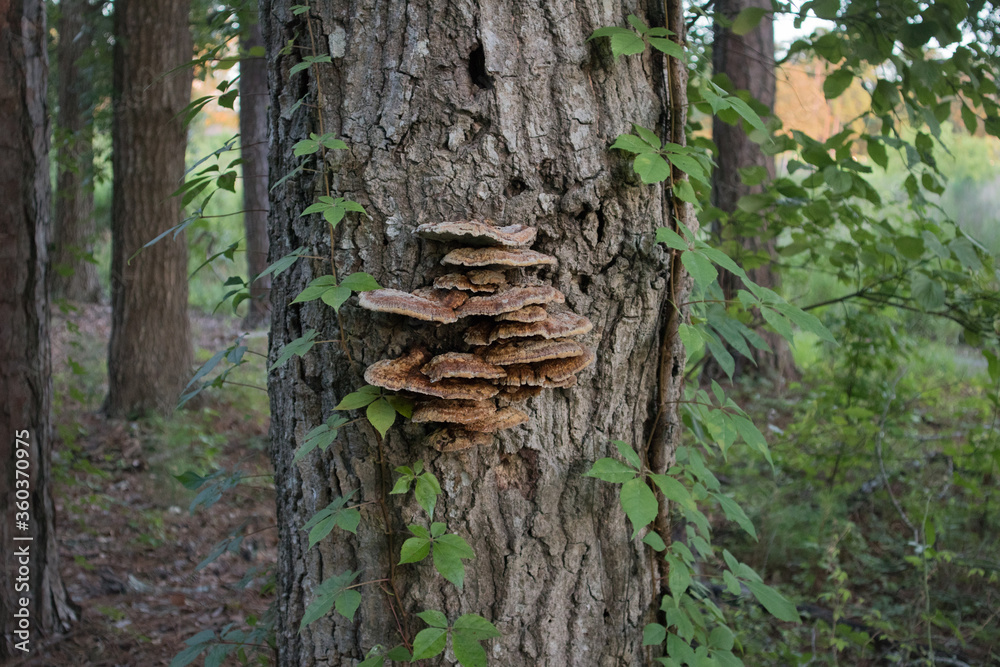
(518, 346)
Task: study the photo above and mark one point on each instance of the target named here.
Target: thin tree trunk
(748, 62)
(74, 277)
(33, 599)
(453, 111)
(253, 139)
(149, 357)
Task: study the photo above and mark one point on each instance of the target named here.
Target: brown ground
(129, 545)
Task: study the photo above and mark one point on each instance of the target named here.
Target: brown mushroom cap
(460, 365)
(479, 333)
(401, 303)
(549, 373)
(503, 419)
(445, 297)
(487, 277)
(478, 233)
(462, 282)
(509, 300)
(497, 257)
(526, 314)
(558, 325)
(453, 412)
(394, 374)
(518, 394)
(457, 439)
(531, 351)
(402, 374)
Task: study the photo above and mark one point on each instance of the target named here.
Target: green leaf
(414, 549)
(969, 119)
(689, 166)
(745, 112)
(651, 167)
(633, 144)
(735, 513)
(966, 253)
(305, 147)
(667, 46)
(639, 503)
(381, 415)
(335, 296)
(327, 595)
(426, 491)
(299, 347)
(671, 238)
(774, 602)
(355, 400)
(610, 470)
(448, 552)
(679, 576)
(876, 151)
(654, 540)
(747, 20)
(805, 321)
(347, 603)
(360, 282)
(434, 618)
(428, 643)
(721, 638)
(466, 635)
(699, 267)
(673, 490)
(654, 634)
(927, 292)
(837, 82)
(648, 136)
(628, 454)
(624, 42)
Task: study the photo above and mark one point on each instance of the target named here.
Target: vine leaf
(448, 552)
(332, 516)
(333, 593)
(639, 503)
(774, 602)
(381, 415)
(610, 470)
(466, 637)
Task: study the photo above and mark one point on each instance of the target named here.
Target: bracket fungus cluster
(518, 335)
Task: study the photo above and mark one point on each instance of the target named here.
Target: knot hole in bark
(477, 68)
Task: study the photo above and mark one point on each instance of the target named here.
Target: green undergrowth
(888, 439)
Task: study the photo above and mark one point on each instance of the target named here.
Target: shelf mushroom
(518, 345)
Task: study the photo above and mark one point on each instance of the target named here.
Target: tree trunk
(253, 141)
(33, 600)
(149, 357)
(74, 277)
(748, 62)
(454, 111)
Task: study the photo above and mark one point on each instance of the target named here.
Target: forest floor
(129, 546)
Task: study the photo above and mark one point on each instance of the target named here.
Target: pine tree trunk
(253, 138)
(73, 276)
(149, 357)
(748, 61)
(33, 599)
(454, 111)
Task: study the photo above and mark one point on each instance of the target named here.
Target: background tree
(253, 149)
(25, 365)
(484, 111)
(74, 274)
(149, 356)
(743, 60)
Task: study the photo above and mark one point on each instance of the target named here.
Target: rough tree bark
(73, 276)
(149, 357)
(30, 561)
(253, 142)
(748, 61)
(454, 110)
